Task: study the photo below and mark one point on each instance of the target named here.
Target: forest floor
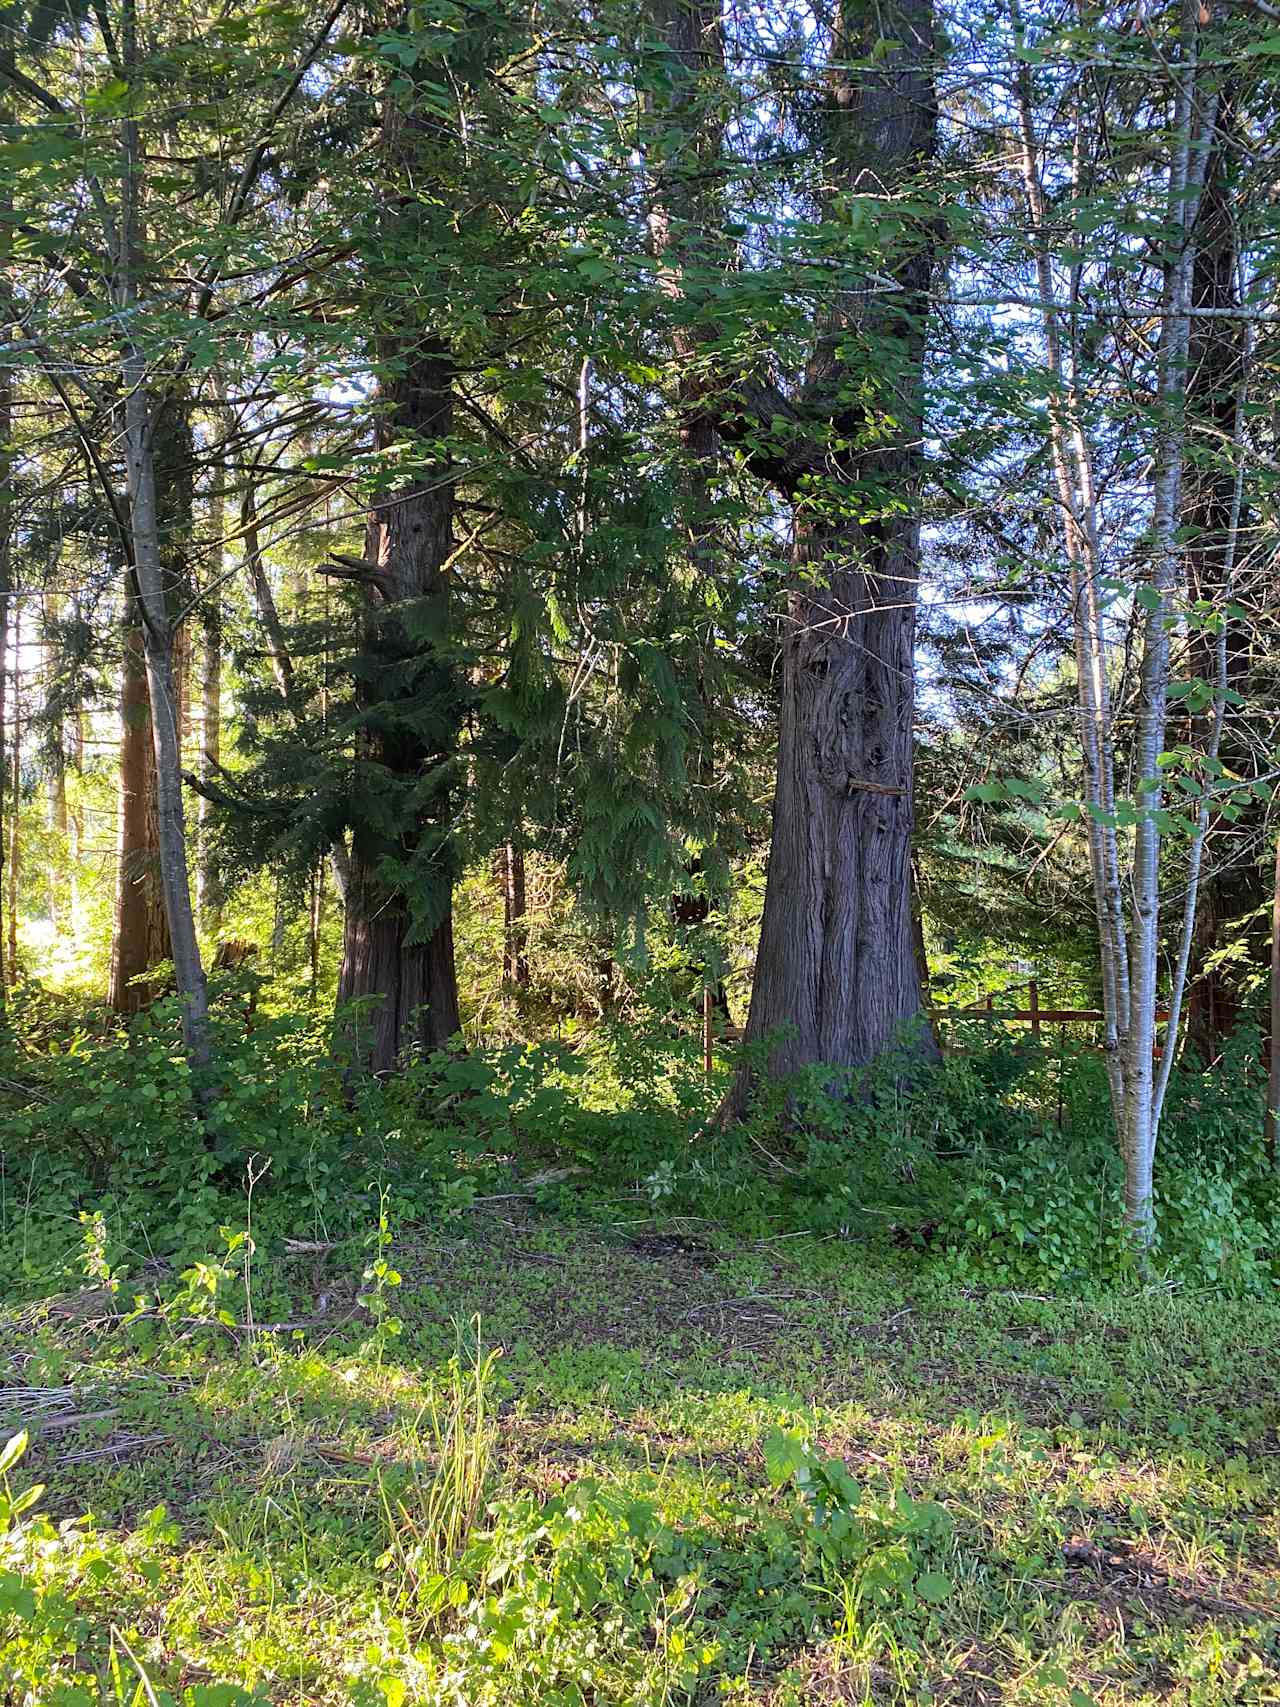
(1057, 1501)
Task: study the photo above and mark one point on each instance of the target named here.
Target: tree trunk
(156, 581)
(5, 603)
(1139, 1111)
(414, 982)
(209, 896)
(15, 802)
(315, 922)
(1273, 1042)
(75, 822)
(140, 939)
(515, 933)
(7, 370)
(56, 779)
(398, 949)
(1217, 362)
(836, 962)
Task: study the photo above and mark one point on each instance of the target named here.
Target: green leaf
(784, 1454)
(935, 1587)
(12, 1450)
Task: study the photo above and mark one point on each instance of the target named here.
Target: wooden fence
(1033, 1014)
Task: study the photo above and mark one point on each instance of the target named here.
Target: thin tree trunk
(281, 658)
(140, 939)
(1219, 360)
(5, 607)
(511, 882)
(209, 888)
(1073, 475)
(7, 315)
(15, 806)
(1191, 130)
(315, 924)
(150, 579)
(1213, 551)
(1273, 1049)
(56, 779)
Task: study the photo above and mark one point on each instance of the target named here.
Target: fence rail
(1033, 1014)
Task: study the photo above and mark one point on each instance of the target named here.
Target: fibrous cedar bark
(398, 942)
(835, 968)
(836, 965)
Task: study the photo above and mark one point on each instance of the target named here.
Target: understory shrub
(997, 1160)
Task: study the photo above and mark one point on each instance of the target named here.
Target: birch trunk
(1192, 129)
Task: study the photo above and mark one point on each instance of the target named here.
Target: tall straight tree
(152, 584)
(140, 931)
(836, 960)
(835, 969)
(398, 947)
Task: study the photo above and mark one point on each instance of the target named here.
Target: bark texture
(159, 469)
(835, 966)
(836, 962)
(515, 930)
(209, 896)
(1233, 883)
(140, 938)
(386, 955)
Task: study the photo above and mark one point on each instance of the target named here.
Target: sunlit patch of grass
(595, 1514)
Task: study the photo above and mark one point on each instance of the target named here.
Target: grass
(786, 1472)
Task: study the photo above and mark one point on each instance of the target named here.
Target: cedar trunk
(414, 981)
(836, 965)
(398, 949)
(836, 962)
